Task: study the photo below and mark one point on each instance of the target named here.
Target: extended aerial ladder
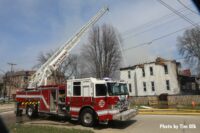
(39, 78)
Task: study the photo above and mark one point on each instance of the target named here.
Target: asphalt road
(139, 124)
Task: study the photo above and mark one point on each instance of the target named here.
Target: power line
(156, 39)
(166, 35)
(152, 28)
(153, 21)
(177, 13)
(187, 7)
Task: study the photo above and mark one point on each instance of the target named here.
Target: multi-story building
(152, 78)
(20, 79)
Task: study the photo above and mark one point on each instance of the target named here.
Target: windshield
(117, 89)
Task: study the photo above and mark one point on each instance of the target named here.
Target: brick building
(20, 79)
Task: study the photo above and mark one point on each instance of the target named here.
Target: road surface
(140, 124)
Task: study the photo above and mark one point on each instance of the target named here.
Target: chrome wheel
(30, 112)
(87, 118)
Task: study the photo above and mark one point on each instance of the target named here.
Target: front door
(100, 98)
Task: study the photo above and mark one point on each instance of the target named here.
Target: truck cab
(91, 100)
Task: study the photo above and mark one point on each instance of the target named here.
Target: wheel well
(89, 108)
(27, 106)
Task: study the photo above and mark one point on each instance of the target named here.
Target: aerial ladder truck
(88, 100)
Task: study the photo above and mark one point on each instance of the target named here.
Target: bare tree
(68, 68)
(189, 47)
(102, 53)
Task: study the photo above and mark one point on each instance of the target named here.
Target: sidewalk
(169, 112)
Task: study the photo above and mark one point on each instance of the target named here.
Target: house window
(166, 69)
(130, 88)
(143, 72)
(167, 85)
(129, 74)
(152, 86)
(144, 86)
(151, 70)
(77, 89)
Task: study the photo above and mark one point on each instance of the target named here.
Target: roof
(88, 79)
(20, 73)
(27, 73)
(158, 61)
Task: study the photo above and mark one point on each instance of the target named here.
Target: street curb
(168, 113)
(183, 110)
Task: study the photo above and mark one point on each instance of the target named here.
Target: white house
(152, 78)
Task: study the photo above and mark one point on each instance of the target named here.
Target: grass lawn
(43, 129)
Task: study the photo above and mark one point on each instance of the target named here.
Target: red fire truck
(88, 100)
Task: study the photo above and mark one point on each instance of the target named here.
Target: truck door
(53, 101)
(76, 99)
(100, 98)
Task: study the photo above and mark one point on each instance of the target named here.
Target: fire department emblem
(101, 103)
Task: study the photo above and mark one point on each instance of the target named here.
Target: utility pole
(11, 74)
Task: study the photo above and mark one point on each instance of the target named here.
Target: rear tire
(31, 111)
(87, 117)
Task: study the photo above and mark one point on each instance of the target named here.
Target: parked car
(3, 99)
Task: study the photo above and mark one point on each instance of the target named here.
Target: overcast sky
(29, 27)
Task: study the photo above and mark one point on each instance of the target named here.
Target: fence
(145, 100)
(183, 100)
(171, 100)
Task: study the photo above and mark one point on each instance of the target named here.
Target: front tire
(87, 117)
